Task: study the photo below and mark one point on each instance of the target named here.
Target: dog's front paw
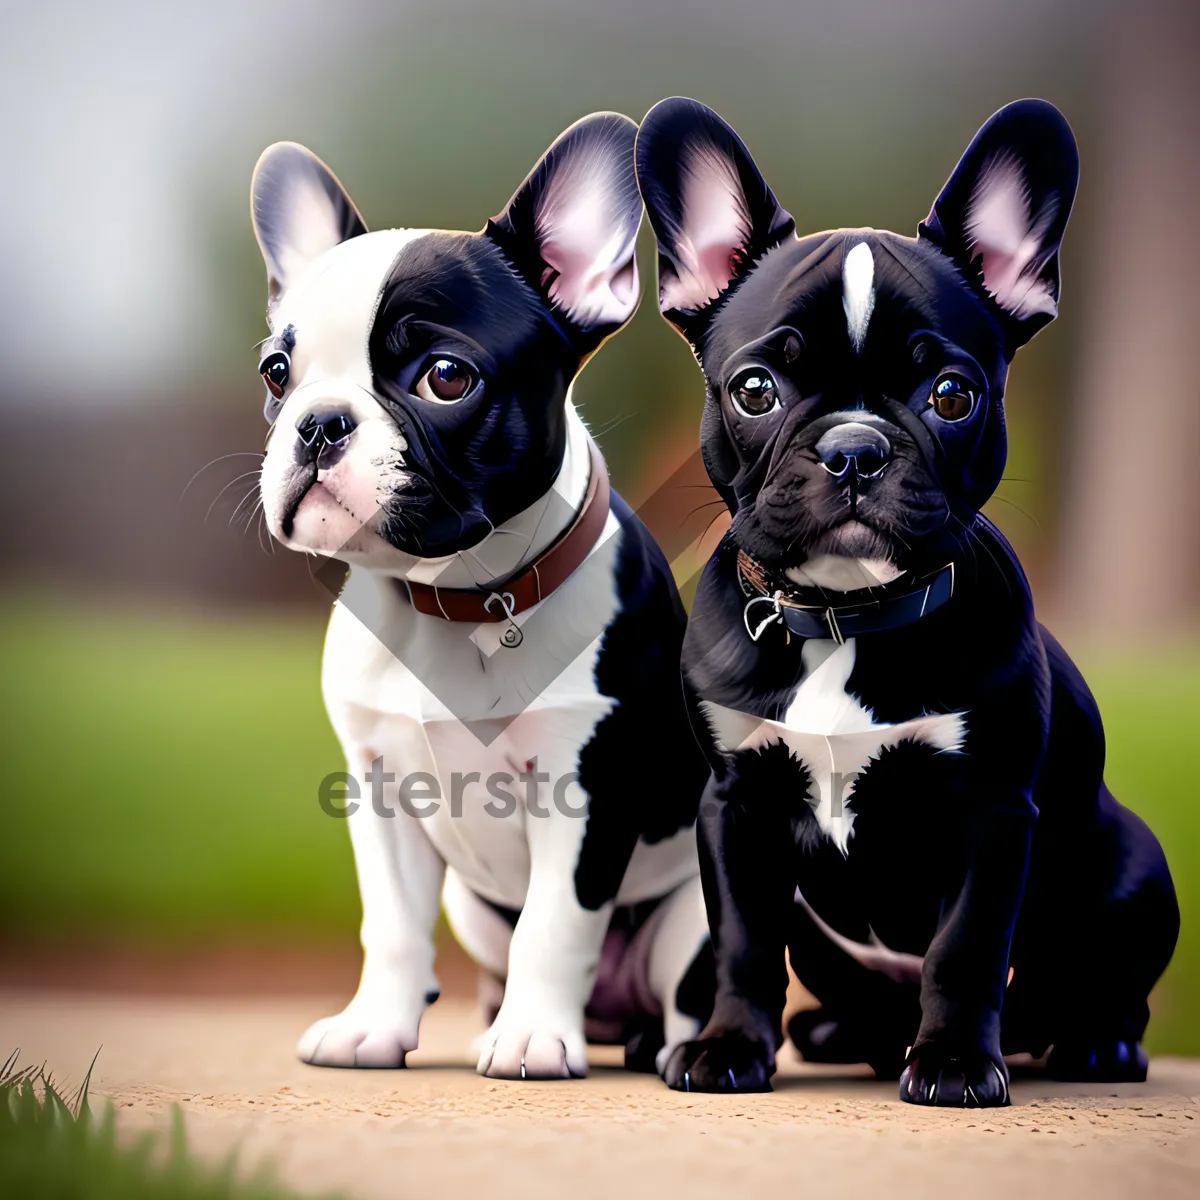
(950, 1077)
(723, 1063)
(358, 1038)
(518, 1050)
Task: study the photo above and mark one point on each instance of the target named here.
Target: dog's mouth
(317, 498)
(851, 539)
(297, 491)
(317, 495)
(314, 487)
(848, 556)
(783, 549)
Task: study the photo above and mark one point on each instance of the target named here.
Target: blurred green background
(163, 733)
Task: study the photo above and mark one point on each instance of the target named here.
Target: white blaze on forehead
(858, 292)
(332, 306)
(1009, 238)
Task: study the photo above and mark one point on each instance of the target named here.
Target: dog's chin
(322, 524)
(842, 573)
(332, 524)
(851, 539)
(847, 557)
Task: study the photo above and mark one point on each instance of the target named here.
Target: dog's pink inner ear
(589, 248)
(1010, 239)
(715, 231)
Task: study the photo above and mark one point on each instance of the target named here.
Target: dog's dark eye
(276, 370)
(953, 399)
(753, 391)
(445, 381)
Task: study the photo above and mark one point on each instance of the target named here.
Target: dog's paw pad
(720, 1064)
(350, 1041)
(948, 1078)
(516, 1054)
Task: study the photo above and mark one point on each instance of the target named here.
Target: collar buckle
(769, 619)
(512, 637)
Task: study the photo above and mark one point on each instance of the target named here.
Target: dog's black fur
(418, 385)
(1010, 851)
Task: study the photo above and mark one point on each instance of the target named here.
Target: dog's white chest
(831, 732)
(450, 701)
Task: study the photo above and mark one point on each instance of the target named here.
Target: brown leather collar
(535, 581)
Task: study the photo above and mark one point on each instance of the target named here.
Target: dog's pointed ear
(571, 227)
(299, 210)
(711, 210)
(1003, 211)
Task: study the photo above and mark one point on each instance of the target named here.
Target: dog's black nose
(329, 427)
(853, 448)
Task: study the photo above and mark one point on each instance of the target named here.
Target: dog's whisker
(701, 508)
(252, 491)
(252, 513)
(231, 483)
(213, 463)
(1028, 516)
(614, 423)
(263, 532)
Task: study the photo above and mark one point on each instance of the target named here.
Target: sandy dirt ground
(439, 1129)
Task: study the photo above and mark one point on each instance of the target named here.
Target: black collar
(808, 613)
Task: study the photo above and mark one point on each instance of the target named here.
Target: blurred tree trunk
(1130, 559)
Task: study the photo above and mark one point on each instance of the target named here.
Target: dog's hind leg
(484, 933)
(1094, 945)
(869, 998)
(1099, 920)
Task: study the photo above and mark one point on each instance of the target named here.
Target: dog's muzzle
(319, 430)
(853, 450)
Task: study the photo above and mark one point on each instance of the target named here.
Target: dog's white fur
(838, 573)
(831, 732)
(858, 292)
(380, 650)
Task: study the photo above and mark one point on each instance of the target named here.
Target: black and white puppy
(502, 666)
(906, 786)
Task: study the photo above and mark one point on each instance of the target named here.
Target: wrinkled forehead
(332, 305)
(853, 294)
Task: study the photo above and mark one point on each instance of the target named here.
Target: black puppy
(906, 785)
